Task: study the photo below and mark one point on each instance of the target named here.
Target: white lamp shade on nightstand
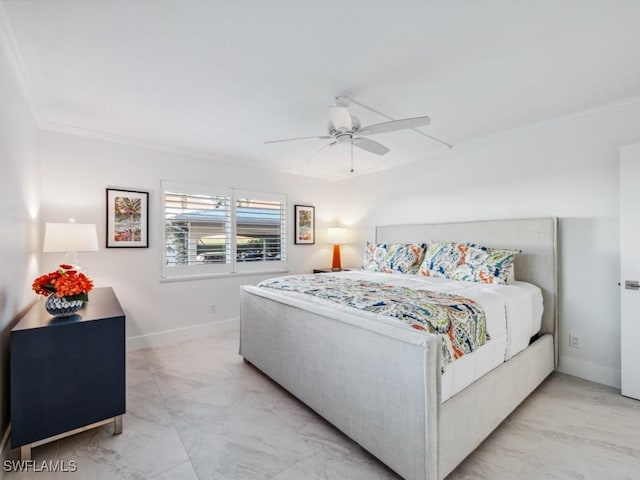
(337, 235)
(70, 237)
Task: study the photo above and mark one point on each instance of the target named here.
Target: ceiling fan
(345, 128)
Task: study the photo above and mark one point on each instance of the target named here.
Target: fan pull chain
(351, 154)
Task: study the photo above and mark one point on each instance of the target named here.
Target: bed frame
(380, 384)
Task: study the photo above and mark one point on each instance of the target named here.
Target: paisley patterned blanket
(459, 321)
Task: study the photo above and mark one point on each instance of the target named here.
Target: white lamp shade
(70, 237)
(337, 235)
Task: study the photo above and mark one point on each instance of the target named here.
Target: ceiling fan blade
(394, 125)
(370, 146)
(341, 118)
(321, 151)
(324, 137)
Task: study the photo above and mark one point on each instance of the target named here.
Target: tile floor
(196, 411)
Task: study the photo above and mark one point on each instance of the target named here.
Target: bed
(384, 386)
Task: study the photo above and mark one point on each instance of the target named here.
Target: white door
(630, 269)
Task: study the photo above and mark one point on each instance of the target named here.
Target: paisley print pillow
(468, 262)
(393, 257)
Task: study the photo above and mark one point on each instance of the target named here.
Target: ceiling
(219, 77)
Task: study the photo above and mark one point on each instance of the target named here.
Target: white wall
(19, 202)
(77, 170)
(566, 167)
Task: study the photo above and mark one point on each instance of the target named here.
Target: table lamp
(71, 238)
(336, 236)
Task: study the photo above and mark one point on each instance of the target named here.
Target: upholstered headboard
(536, 237)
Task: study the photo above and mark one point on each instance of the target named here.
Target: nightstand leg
(25, 452)
(117, 425)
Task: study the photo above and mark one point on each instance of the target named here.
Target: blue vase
(61, 307)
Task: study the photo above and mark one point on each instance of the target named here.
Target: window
(209, 230)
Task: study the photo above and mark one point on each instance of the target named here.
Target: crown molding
(465, 145)
(9, 45)
(130, 141)
(587, 112)
(54, 127)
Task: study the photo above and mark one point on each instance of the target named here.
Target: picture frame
(305, 225)
(127, 218)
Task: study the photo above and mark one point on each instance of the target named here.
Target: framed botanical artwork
(127, 219)
(305, 227)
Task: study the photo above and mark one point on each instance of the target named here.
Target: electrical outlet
(212, 308)
(574, 341)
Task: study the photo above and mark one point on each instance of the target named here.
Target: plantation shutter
(260, 234)
(210, 230)
(197, 230)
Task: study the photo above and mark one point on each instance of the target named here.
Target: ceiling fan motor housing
(355, 128)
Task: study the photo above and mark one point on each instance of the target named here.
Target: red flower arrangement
(64, 282)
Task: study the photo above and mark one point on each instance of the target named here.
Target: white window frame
(234, 267)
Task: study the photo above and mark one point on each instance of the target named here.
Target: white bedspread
(513, 313)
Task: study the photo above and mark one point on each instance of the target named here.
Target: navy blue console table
(67, 374)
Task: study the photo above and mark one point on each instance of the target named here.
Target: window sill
(209, 276)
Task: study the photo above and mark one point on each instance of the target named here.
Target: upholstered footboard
(379, 384)
(468, 417)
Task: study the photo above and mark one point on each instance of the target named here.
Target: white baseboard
(179, 334)
(4, 449)
(590, 371)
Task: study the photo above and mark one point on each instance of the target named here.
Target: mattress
(513, 314)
